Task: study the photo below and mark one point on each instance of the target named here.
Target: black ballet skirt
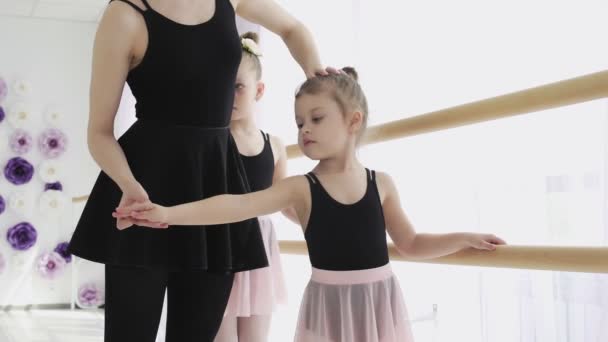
(180, 150)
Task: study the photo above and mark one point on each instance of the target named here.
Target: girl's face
(323, 130)
(247, 92)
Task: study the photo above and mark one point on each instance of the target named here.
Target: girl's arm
(296, 36)
(422, 245)
(222, 208)
(280, 172)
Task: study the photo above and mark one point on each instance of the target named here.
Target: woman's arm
(419, 245)
(280, 172)
(222, 208)
(296, 36)
(112, 54)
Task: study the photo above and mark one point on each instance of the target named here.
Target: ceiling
(70, 10)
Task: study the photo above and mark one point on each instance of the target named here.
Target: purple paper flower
(62, 249)
(50, 265)
(90, 296)
(2, 114)
(52, 143)
(53, 186)
(18, 171)
(3, 90)
(20, 141)
(22, 236)
(2, 204)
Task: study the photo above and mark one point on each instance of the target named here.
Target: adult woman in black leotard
(180, 59)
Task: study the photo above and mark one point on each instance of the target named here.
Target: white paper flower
(19, 203)
(251, 46)
(54, 116)
(19, 261)
(22, 87)
(19, 115)
(52, 203)
(49, 171)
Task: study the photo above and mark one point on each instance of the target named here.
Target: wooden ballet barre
(563, 93)
(547, 258)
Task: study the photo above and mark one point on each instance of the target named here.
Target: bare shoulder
(386, 185)
(297, 184)
(123, 12)
(278, 148)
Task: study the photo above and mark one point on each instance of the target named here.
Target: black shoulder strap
(137, 8)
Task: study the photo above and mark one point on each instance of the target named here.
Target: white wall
(54, 57)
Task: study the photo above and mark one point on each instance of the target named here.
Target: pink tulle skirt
(353, 306)
(257, 292)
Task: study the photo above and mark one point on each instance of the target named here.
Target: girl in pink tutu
(345, 210)
(255, 293)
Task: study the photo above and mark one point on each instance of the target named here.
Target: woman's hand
(320, 71)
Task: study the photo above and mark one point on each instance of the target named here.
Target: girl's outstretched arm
(422, 245)
(222, 208)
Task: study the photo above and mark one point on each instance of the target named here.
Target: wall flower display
(18, 171)
(52, 143)
(20, 141)
(22, 236)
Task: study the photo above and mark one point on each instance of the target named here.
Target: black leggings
(134, 299)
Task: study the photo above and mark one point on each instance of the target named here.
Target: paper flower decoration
(22, 236)
(20, 141)
(52, 203)
(90, 296)
(50, 265)
(62, 249)
(19, 203)
(49, 171)
(52, 143)
(18, 171)
(53, 186)
(54, 116)
(19, 115)
(22, 88)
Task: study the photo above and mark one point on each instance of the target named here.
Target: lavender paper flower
(18, 171)
(53, 186)
(20, 141)
(62, 249)
(3, 90)
(90, 296)
(50, 265)
(22, 236)
(2, 204)
(52, 143)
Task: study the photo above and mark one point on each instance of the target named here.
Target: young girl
(344, 209)
(255, 293)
